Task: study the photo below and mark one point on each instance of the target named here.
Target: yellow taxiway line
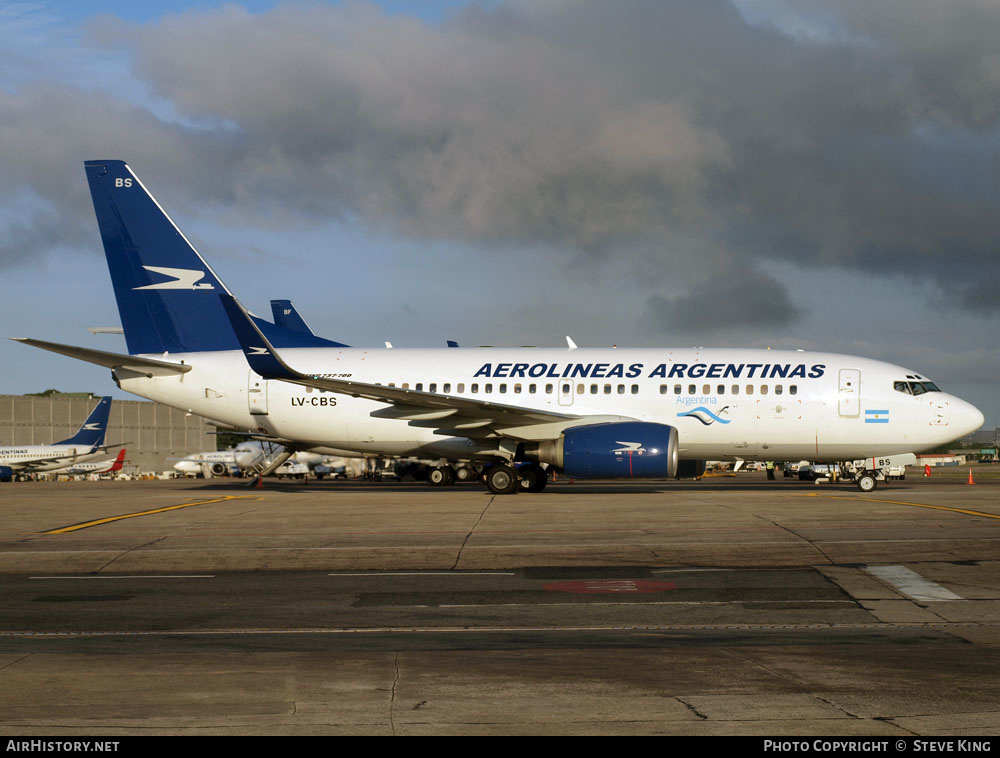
(111, 519)
(900, 502)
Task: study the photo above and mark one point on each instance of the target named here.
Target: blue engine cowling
(630, 449)
(6, 474)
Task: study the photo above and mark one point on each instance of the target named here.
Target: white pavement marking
(135, 576)
(911, 584)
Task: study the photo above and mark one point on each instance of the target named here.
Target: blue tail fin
(286, 316)
(94, 428)
(168, 296)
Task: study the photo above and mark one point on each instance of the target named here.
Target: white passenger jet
(86, 444)
(110, 466)
(244, 457)
(657, 412)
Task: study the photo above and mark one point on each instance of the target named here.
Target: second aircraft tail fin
(286, 316)
(92, 432)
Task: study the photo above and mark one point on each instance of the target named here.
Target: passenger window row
(517, 389)
(620, 389)
(734, 389)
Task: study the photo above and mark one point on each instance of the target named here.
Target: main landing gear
(503, 479)
(500, 478)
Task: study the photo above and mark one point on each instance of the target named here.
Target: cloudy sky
(822, 174)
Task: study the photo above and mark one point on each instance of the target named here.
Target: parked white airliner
(87, 444)
(243, 457)
(110, 466)
(605, 413)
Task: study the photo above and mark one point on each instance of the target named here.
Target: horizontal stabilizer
(148, 366)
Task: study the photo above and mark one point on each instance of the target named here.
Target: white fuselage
(242, 457)
(725, 403)
(91, 467)
(45, 457)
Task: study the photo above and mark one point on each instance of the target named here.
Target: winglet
(259, 352)
(570, 343)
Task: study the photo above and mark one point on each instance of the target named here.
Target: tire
(503, 480)
(464, 474)
(441, 476)
(866, 482)
(533, 478)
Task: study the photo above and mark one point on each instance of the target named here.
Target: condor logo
(630, 447)
(180, 279)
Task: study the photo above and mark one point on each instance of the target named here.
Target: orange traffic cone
(927, 469)
(970, 477)
(260, 482)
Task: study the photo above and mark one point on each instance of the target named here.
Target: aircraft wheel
(533, 478)
(441, 476)
(867, 482)
(464, 474)
(502, 480)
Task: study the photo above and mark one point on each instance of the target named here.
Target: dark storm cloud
(734, 299)
(602, 129)
(47, 131)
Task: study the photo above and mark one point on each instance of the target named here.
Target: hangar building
(152, 433)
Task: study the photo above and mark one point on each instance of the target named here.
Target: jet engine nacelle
(218, 469)
(629, 449)
(6, 474)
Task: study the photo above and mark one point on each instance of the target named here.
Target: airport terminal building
(151, 433)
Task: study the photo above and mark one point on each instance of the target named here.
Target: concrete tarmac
(731, 605)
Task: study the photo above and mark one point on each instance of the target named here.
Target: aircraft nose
(244, 460)
(965, 417)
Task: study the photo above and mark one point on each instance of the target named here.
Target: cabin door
(849, 392)
(257, 394)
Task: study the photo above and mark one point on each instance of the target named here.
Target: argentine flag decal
(876, 417)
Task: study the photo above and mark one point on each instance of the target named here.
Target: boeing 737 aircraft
(85, 445)
(243, 457)
(604, 413)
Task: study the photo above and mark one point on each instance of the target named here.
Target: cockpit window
(915, 388)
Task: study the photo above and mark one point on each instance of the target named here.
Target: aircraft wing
(446, 414)
(40, 463)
